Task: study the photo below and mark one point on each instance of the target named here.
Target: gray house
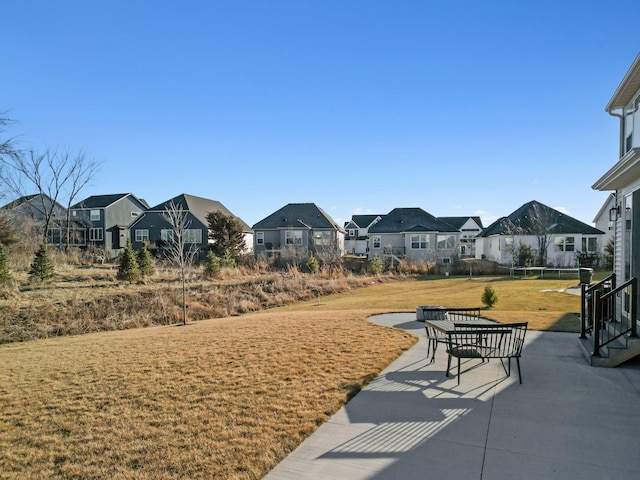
(413, 234)
(107, 218)
(153, 228)
(296, 231)
(356, 241)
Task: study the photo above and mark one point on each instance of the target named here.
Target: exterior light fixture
(614, 213)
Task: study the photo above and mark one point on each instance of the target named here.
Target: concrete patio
(566, 421)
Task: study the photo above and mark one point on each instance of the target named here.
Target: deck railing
(608, 311)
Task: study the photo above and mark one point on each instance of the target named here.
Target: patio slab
(566, 421)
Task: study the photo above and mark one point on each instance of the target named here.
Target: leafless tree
(52, 174)
(179, 250)
(540, 221)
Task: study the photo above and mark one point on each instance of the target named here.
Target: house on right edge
(609, 328)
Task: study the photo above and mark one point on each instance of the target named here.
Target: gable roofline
(401, 220)
(628, 87)
(296, 216)
(104, 201)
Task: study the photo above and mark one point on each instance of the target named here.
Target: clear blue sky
(457, 107)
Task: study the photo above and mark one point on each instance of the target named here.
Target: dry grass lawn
(223, 398)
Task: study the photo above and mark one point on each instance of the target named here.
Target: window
(142, 235)
(322, 238)
(193, 235)
(353, 232)
(419, 242)
(589, 244)
(95, 235)
(293, 237)
(135, 214)
(259, 238)
(94, 215)
(377, 241)
(166, 235)
(445, 242)
(565, 244)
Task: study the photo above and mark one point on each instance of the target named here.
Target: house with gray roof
(296, 231)
(553, 238)
(470, 228)
(414, 234)
(152, 227)
(107, 219)
(357, 233)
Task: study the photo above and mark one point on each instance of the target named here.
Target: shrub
(212, 265)
(376, 266)
(145, 262)
(5, 275)
(312, 265)
(489, 297)
(128, 269)
(42, 266)
(228, 260)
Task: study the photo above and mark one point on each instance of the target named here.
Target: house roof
(102, 201)
(628, 87)
(199, 207)
(34, 202)
(410, 219)
(458, 222)
(532, 216)
(364, 220)
(296, 215)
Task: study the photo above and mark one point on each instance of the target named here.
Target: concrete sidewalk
(566, 421)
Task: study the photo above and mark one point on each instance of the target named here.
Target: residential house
(414, 234)
(616, 299)
(152, 227)
(603, 221)
(470, 228)
(356, 240)
(107, 218)
(539, 236)
(298, 230)
(31, 211)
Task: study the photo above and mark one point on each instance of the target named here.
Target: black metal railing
(608, 311)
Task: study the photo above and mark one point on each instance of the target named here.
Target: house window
(166, 235)
(193, 235)
(95, 235)
(419, 242)
(377, 241)
(293, 237)
(353, 232)
(565, 244)
(259, 238)
(94, 215)
(589, 244)
(322, 238)
(142, 235)
(628, 132)
(135, 214)
(445, 242)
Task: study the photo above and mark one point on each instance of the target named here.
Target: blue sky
(457, 107)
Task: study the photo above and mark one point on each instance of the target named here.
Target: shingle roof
(296, 215)
(102, 201)
(410, 219)
(363, 221)
(458, 222)
(530, 217)
(199, 207)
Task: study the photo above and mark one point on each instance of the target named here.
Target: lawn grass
(222, 398)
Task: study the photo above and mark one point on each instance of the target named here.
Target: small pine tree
(145, 262)
(212, 265)
(128, 269)
(228, 260)
(42, 266)
(5, 275)
(376, 266)
(489, 297)
(312, 266)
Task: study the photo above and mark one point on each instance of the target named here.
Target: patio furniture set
(468, 335)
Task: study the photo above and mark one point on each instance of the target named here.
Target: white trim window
(589, 244)
(377, 241)
(166, 235)
(419, 242)
(259, 238)
(96, 235)
(565, 244)
(322, 239)
(142, 235)
(446, 242)
(293, 237)
(193, 235)
(94, 215)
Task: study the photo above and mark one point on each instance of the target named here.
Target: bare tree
(179, 249)
(52, 174)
